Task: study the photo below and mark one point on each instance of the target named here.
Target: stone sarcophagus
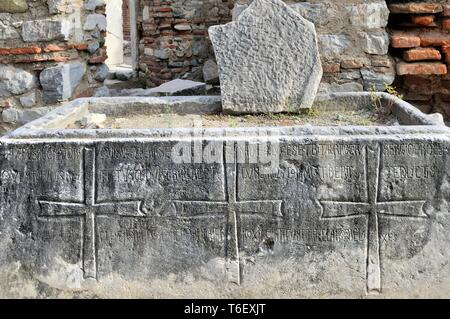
(305, 211)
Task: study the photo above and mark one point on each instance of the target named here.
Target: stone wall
(50, 51)
(421, 45)
(126, 21)
(175, 40)
(353, 40)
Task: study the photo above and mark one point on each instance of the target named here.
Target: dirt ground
(313, 117)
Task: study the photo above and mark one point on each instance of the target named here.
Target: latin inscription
(303, 173)
(334, 150)
(137, 173)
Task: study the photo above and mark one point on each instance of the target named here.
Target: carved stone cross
(233, 209)
(372, 208)
(89, 209)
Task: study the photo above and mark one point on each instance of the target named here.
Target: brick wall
(50, 51)
(421, 46)
(126, 21)
(352, 38)
(175, 38)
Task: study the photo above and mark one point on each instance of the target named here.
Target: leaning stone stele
(268, 60)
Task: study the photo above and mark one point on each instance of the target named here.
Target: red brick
(446, 24)
(425, 68)
(331, 67)
(163, 9)
(60, 59)
(418, 84)
(446, 51)
(54, 48)
(85, 93)
(415, 8)
(26, 50)
(97, 59)
(434, 38)
(405, 40)
(79, 46)
(423, 21)
(422, 54)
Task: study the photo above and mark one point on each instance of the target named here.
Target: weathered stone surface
(369, 16)
(124, 74)
(95, 21)
(376, 43)
(162, 54)
(334, 45)
(59, 6)
(177, 87)
(377, 80)
(28, 100)
(45, 30)
(317, 13)
(102, 73)
(268, 59)
(327, 88)
(60, 82)
(23, 116)
(94, 4)
(237, 10)
(15, 81)
(86, 212)
(8, 32)
(211, 72)
(13, 6)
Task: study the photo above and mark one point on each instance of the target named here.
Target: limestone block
(268, 59)
(60, 82)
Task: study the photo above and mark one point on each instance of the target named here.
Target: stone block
(59, 82)
(45, 30)
(94, 21)
(360, 212)
(267, 65)
(94, 4)
(374, 79)
(317, 13)
(14, 81)
(59, 6)
(28, 100)
(23, 116)
(369, 16)
(13, 6)
(210, 72)
(8, 32)
(334, 45)
(376, 43)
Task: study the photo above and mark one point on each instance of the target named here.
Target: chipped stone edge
(49, 126)
(311, 88)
